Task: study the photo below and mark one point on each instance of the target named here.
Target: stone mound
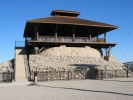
(6, 66)
(72, 57)
(64, 51)
(77, 58)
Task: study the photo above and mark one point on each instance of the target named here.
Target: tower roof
(63, 18)
(65, 13)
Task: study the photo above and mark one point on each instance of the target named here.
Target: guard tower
(65, 28)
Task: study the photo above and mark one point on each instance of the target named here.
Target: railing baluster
(69, 39)
(19, 44)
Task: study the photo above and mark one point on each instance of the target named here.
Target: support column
(73, 36)
(104, 37)
(37, 36)
(36, 32)
(97, 38)
(90, 37)
(55, 35)
(107, 50)
(35, 76)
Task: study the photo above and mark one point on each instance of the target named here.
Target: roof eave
(31, 21)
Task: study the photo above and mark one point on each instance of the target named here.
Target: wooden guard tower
(65, 28)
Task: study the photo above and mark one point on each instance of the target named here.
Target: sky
(14, 13)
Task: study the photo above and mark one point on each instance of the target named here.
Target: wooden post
(127, 70)
(56, 35)
(73, 36)
(68, 75)
(46, 39)
(35, 76)
(107, 50)
(97, 38)
(35, 32)
(104, 37)
(90, 37)
(37, 36)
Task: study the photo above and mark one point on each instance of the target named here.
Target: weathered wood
(73, 36)
(104, 37)
(90, 37)
(37, 36)
(74, 39)
(55, 36)
(97, 38)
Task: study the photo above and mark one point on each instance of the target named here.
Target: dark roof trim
(65, 12)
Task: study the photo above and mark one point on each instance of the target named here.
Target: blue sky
(14, 13)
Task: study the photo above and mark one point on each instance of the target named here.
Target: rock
(69, 58)
(6, 66)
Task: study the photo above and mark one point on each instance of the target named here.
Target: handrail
(70, 39)
(19, 44)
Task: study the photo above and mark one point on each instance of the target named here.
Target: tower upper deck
(63, 27)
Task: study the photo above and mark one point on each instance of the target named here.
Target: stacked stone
(70, 58)
(37, 61)
(61, 75)
(6, 66)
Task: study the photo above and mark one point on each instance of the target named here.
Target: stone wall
(6, 66)
(71, 58)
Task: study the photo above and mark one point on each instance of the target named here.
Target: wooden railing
(98, 40)
(69, 39)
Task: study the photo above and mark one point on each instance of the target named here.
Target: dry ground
(107, 89)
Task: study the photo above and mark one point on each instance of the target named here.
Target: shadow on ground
(117, 80)
(76, 89)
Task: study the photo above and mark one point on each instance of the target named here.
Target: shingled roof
(70, 21)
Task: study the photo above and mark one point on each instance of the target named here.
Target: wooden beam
(90, 37)
(104, 37)
(35, 32)
(55, 36)
(89, 32)
(41, 49)
(73, 36)
(97, 38)
(107, 50)
(37, 35)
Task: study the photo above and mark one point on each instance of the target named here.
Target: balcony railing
(69, 39)
(19, 44)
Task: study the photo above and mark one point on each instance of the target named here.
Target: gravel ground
(107, 89)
